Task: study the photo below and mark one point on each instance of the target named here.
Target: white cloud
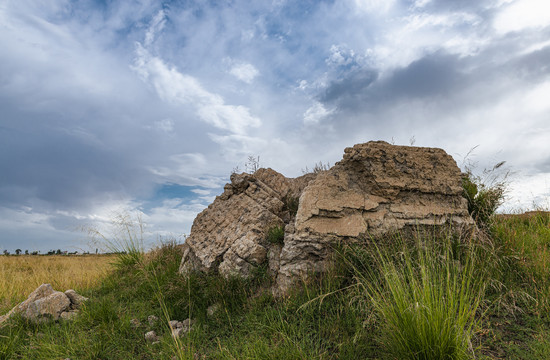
(315, 113)
(191, 169)
(528, 192)
(173, 219)
(374, 6)
(244, 72)
(237, 147)
(156, 26)
(202, 192)
(523, 14)
(165, 125)
(341, 55)
(536, 100)
(175, 87)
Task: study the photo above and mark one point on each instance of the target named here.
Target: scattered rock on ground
(151, 336)
(174, 324)
(179, 328)
(152, 320)
(45, 304)
(212, 309)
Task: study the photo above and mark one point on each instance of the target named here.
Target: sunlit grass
(24, 273)
(419, 297)
(526, 237)
(425, 294)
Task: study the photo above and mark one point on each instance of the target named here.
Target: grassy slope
(331, 317)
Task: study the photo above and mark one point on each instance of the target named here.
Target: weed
(317, 168)
(276, 234)
(291, 204)
(485, 193)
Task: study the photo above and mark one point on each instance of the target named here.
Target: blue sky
(145, 107)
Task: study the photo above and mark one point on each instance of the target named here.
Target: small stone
(76, 299)
(212, 309)
(152, 320)
(177, 332)
(135, 323)
(69, 315)
(187, 325)
(188, 322)
(174, 324)
(151, 337)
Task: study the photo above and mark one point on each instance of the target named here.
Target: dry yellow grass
(20, 275)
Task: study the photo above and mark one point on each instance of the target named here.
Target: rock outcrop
(376, 188)
(45, 303)
(230, 235)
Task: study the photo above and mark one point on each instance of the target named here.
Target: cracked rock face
(376, 188)
(230, 235)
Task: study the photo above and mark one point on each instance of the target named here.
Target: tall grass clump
(485, 192)
(125, 239)
(426, 295)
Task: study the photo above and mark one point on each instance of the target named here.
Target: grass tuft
(426, 296)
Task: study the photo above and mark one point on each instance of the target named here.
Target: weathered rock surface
(230, 235)
(49, 307)
(45, 303)
(376, 188)
(76, 299)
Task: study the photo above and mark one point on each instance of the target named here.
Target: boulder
(375, 189)
(49, 307)
(45, 303)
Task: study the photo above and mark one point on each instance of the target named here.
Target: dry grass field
(20, 275)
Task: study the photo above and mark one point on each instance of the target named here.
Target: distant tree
(35, 252)
(6, 252)
(26, 252)
(51, 252)
(17, 251)
(58, 252)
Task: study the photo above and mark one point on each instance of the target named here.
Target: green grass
(276, 234)
(423, 297)
(426, 296)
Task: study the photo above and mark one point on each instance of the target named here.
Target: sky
(143, 108)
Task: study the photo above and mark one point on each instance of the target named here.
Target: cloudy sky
(145, 107)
